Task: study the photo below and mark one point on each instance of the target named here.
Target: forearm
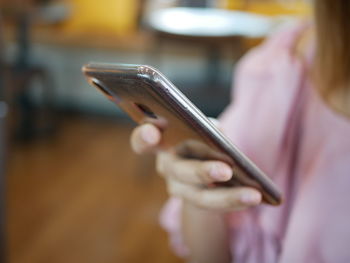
(206, 235)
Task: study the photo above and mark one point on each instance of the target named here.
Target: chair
(22, 72)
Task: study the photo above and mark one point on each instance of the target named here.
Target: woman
(291, 117)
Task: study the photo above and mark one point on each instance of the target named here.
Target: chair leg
(30, 124)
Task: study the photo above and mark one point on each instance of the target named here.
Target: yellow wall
(105, 16)
(299, 7)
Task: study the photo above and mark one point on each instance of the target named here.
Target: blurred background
(71, 190)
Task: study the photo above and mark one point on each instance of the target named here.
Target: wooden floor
(83, 196)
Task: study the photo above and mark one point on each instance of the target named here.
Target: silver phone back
(147, 96)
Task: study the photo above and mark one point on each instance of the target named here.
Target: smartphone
(147, 96)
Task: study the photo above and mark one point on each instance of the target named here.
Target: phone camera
(101, 88)
(147, 111)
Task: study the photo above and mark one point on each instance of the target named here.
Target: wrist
(205, 233)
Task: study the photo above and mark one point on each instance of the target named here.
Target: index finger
(145, 138)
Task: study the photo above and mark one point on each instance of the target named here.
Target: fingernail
(220, 172)
(148, 135)
(251, 198)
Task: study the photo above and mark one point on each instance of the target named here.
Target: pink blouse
(280, 122)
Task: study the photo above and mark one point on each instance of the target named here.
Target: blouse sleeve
(170, 220)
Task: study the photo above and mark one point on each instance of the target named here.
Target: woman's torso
(279, 120)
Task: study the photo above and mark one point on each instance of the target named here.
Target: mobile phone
(147, 96)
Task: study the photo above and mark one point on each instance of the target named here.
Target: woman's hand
(190, 179)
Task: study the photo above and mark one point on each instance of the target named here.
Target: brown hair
(332, 61)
